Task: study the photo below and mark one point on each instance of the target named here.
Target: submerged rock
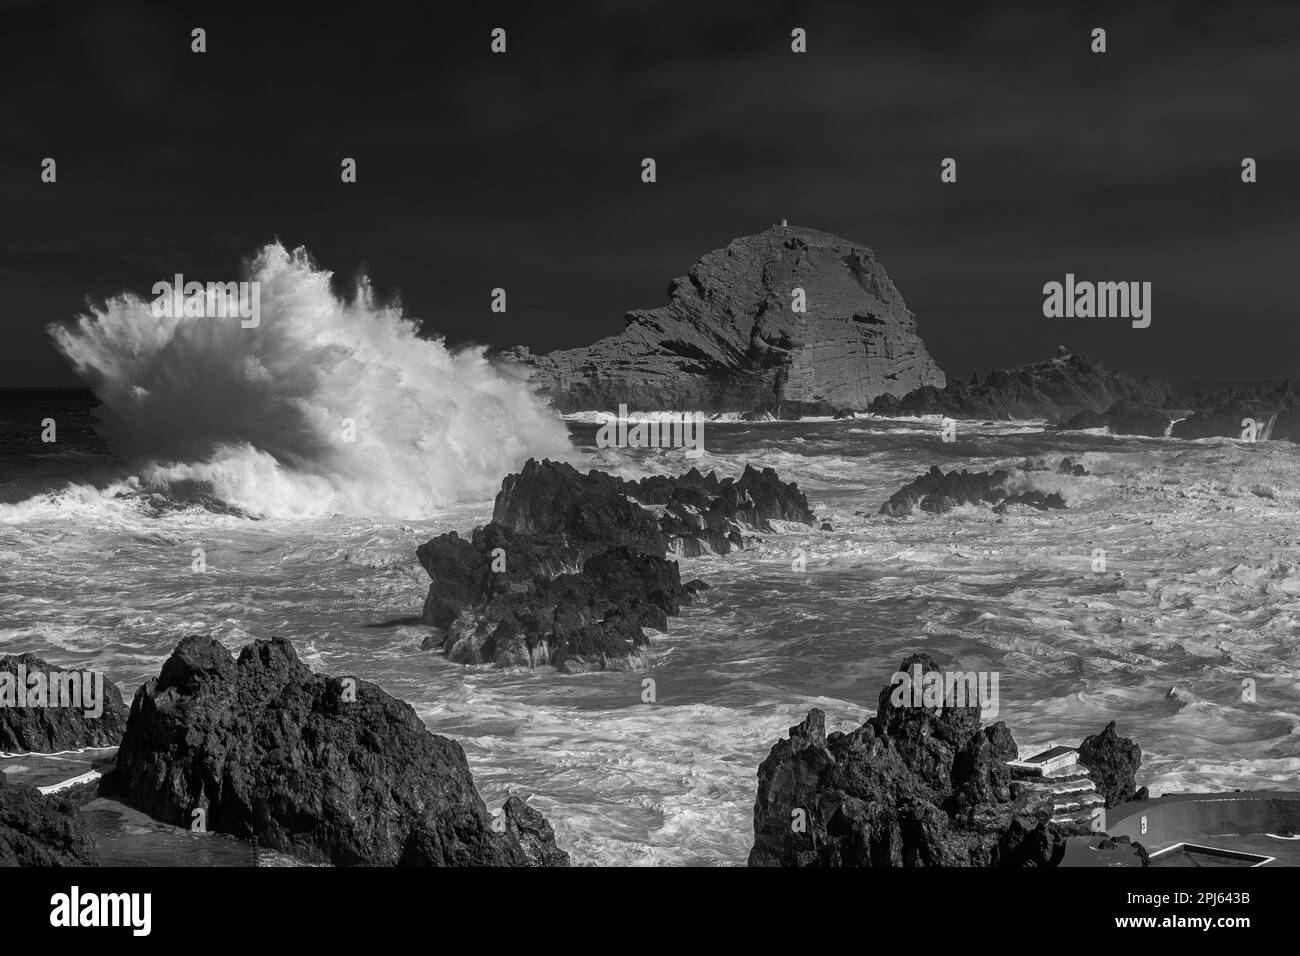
(729, 340)
(326, 769)
(913, 786)
(573, 566)
(47, 728)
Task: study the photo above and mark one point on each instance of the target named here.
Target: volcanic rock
(938, 493)
(50, 729)
(913, 786)
(1113, 763)
(573, 566)
(327, 769)
(36, 830)
(728, 340)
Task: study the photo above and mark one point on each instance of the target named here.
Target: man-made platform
(1049, 761)
(1248, 828)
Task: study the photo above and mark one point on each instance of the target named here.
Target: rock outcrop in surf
(50, 728)
(573, 566)
(937, 492)
(1056, 390)
(913, 786)
(729, 339)
(36, 830)
(327, 769)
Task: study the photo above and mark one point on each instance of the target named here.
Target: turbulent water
(1200, 592)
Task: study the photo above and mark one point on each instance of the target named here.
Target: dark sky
(523, 170)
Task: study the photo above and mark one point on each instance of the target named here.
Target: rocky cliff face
(729, 339)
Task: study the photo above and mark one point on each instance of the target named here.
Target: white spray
(325, 406)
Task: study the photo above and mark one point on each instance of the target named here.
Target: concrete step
(1081, 820)
(1085, 803)
(1058, 786)
(1069, 775)
(1064, 789)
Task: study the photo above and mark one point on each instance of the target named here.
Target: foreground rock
(573, 566)
(913, 786)
(327, 769)
(1056, 390)
(74, 710)
(938, 493)
(728, 341)
(36, 830)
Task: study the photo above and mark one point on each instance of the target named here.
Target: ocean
(1199, 598)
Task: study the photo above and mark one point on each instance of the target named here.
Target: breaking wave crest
(264, 414)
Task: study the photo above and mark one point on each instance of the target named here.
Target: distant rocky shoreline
(731, 341)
